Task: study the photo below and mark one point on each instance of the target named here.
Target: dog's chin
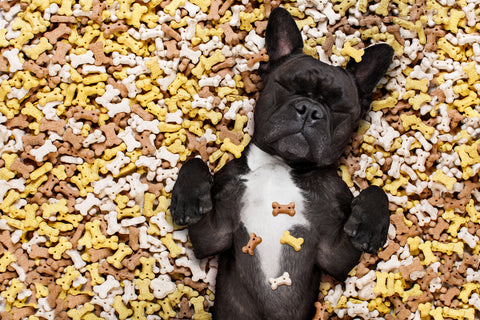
(299, 153)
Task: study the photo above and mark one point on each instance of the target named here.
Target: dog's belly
(270, 181)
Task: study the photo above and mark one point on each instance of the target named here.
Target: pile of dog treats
(102, 101)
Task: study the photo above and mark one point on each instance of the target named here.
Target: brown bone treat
(213, 11)
(228, 63)
(74, 139)
(62, 19)
(31, 141)
(401, 311)
(184, 312)
(97, 10)
(414, 301)
(172, 50)
(386, 253)
(432, 35)
(320, 311)
(5, 315)
(82, 114)
(40, 72)
(252, 243)
(283, 208)
(231, 37)
(106, 268)
(440, 226)
(145, 115)
(133, 233)
(61, 52)
(57, 33)
(21, 313)
(147, 147)
(448, 296)
(118, 85)
(226, 5)
(155, 188)
(6, 7)
(53, 292)
(98, 53)
(172, 33)
(199, 286)
(21, 168)
(73, 301)
(454, 278)
(235, 137)
(440, 94)
(430, 274)
(60, 309)
(35, 277)
(109, 29)
(64, 188)
(436, 200)
(99, 254)
(415, 266)
(77, 235)
(179, 273)
(455, 118)
(257, 57)
(57, 126)
(132, 261)
(23, 260)
(53, 81)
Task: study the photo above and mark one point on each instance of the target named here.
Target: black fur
(305, 115)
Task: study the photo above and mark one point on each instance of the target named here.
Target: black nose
(309, 111)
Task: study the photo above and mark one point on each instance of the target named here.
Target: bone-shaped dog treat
(283, 208)
(296, 243)
(284, 279)
(252, 243)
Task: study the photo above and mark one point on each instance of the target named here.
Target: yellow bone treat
(122, 310)
(5, 260)
(296, 243)
(62, 246)
(174, 249)
(68, 277)
(11, 293)
(116, 259)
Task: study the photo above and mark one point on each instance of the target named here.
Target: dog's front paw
(369, 221)
(191, 195)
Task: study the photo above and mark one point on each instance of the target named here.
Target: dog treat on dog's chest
(284, 279)
(283, 208)
(296, 243)
(252, 243)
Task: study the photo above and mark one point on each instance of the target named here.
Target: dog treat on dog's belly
(283, 208)
(252, 243)
(296, 243)
(284, 279)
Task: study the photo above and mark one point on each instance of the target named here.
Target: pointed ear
(368, 72)
(282, 36)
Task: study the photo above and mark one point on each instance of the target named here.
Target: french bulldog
(304, 118)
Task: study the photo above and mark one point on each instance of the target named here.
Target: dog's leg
(368, 223)
(351, 230)
(206, 204)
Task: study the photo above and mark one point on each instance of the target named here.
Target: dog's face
(308, 110)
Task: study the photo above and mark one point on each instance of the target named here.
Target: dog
(304, 118)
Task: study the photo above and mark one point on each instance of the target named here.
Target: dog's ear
(282, 36)
(368, 72)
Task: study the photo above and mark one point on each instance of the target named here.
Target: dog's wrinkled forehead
(305, 73)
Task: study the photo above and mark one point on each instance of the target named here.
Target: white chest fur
(270, 181)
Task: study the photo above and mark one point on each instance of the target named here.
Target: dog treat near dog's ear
(283, 208)
(252, 243)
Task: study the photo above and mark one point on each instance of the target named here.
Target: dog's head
(308, 110)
